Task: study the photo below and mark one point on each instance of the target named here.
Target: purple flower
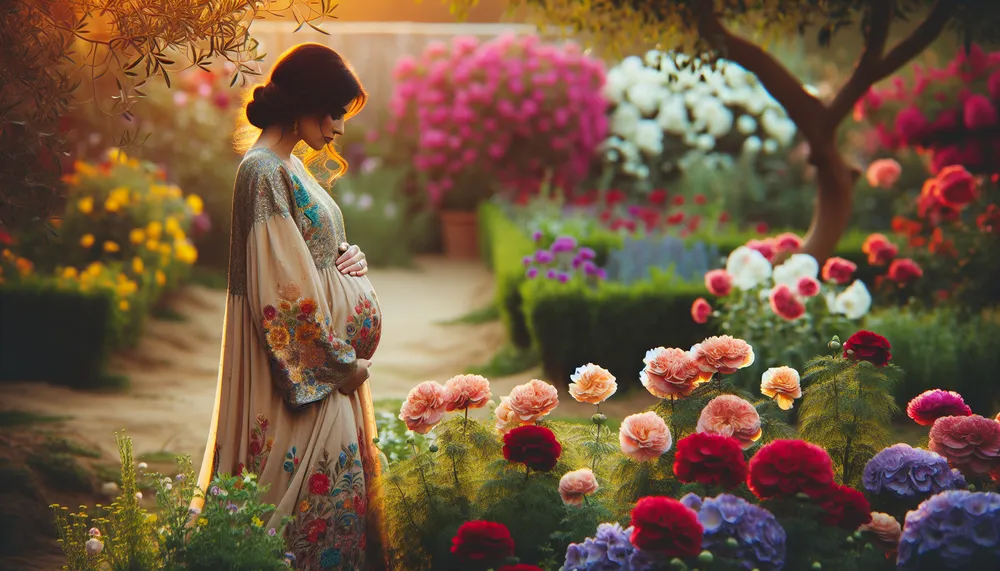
(904, 471)
(602, 274)
(544, 257)
(564, 244)
(214, 490)
(527, 260)
(532, 273)
(551, 274)
(536, 235)
(589, 268)
(563, 277)
(587, 254)
(609, 550)
(272, 532)
(955, 529)
(232, 507)
(760, 539)
(577, 262)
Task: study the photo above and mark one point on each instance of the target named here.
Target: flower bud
(676, 563)
(94, 532)
(857, 535)
(94, 546)
(143, 465)
(599, 419)
(834, 343)
(491, 404)
(732, 543)
(706, 557)
(816, 565)
(375, 440)
(410, 440)
(433, 448)
(850, 540)
(972, 487)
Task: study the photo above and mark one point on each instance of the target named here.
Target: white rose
(649, 137)
(673, 116)
(748, 267)
(854, 302)
(645, 96)
(751, 146)
(615, 85)
(770, 146)
(746, 124)
(631, 68)
(624, 120)
(796, 267)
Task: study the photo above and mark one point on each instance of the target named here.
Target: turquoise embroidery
(302, 199)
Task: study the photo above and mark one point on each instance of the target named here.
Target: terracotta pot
(460, 234)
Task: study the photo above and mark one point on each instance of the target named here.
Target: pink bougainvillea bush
(502, 114)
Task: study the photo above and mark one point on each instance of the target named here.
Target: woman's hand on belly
(359, 377)
(353, 261)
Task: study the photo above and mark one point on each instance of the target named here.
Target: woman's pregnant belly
(357, 315)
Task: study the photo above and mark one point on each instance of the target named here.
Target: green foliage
(393, 436)
(508, 360)
(485, 314)
(847, 408)
(508, 245)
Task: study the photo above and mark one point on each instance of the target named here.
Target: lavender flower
(551, 274)
(532, 273)
(563, 277)
(609, 550)
(760, 539)
(544, 257)
(955, 529)
(214, 490)
(602, 274)
(589, 268)
(527, 261)
(536, 235)
(904, 471)
(586, 254)
(564, 244)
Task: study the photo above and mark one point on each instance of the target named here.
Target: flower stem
(527, 472)
(465, 426)
(597, 443)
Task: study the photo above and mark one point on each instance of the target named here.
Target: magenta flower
(931, 405)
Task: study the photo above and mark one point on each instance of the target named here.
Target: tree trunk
(834, 199)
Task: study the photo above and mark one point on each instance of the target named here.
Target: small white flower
(645, 96)
(168, 486)
(143, 465)
(649, 137)
(746, 124)
(390, 210)
(632, 68)
(94, 546)
(770, 147)
(748, 267)
(365, 201)
(705, 142)
(615, 84)
(624, 120)
(796, 267)
(138, 495)
(751, 146)
(854, 302)
(673, 115)
(109, 489)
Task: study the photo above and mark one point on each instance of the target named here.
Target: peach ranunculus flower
(671, 373)
(532, 400)
(506, 420)
(781, 384)
(424, 407)
(886, 530)
(592, 384)
(729, 415)
(644, 436)
(722, 354)
(883, 173)
(467, 391)
(576, 484)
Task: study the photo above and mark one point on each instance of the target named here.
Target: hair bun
(266, 107)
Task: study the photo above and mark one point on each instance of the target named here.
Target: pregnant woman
(293, 405)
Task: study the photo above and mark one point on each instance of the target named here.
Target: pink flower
(467, 391)
(978, 112)
(787, 242)
(931, 405)
(838, 270)
(729, 415)
(424, 407)
(767, 248)
(886, 530)
(671, 373)
(722, 354)
(592, 384)
(573, 486)
(971, 444)
(719, 282)
(701, 310)
(808, 286)
(782, 384)
(533, 400)
(644, 436)
(910, 124)
(506, 420)
(883, 173)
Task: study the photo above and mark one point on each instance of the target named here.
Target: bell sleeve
(283, 290)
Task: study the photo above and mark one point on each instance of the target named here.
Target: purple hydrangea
(760, 539)
(609, 550)
(955, 529)
(564, 244)
(906, 472)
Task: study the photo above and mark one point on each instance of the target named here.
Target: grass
(159, 457)
(11, 418)
(62, 471)
(486, 314)
(56, 445)
(509, 360)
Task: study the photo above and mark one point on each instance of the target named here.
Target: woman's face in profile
(319, 131)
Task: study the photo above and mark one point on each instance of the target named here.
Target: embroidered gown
(294, 328)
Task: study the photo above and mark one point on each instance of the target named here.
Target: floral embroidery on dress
(364, 327)
(260, 446)
(311, 360)
(306, 205)
(291, 462)
(329, 530)
(321, 225)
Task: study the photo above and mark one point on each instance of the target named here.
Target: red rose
(910, 124)
(765, 247)
(956, 187)
(808, 286)
(319, 484)
(719, 282)
(978, 112)
(904, 271)
(787, 242)
(270, 312)
(879, 249)
(701, 310)
(844, 506)
(787, 467)
(678, 200)
(613, 197)
(482, 542)
(658, 196)
(838, 270)
(710, 459)
(667, 527)
(762, 228)
(315, 529)
(700, 199)
(675, 218)
(534, 446)
(785, 304)
(868, 346)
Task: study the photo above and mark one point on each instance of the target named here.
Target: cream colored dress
(293, 330)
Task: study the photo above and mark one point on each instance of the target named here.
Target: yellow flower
(151, 518)
(175, 191)
(111, 205)
(87, 240)
(165, 249)
(115, 154)
(152, 245)
(161, 278)
(202, 522)
(123, 305)
(256, 521)
(120, 195)
(71, 179)
(111, 246)
(137, 236)
(186, 253)
(94, 269)
(304, 506)
(126, 288)
(137, 265)
(172, 226)
(154, 229)
(83, 169)
(69, 273)
(85, 205)
(195, 203)
(8, 255)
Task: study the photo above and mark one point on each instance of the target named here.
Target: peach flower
(670, 373)
(424, 407)
(883, 173)
(576, 484)
(782, 385)
(729, 415)
(592, 384)
(722, 354)
(289, 291)
(506, 419)
(644, 436)
(532, 400)
(886, 530)
(971, 444)
(467, 391)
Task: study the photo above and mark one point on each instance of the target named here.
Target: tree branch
(876, 65)
(802, 108)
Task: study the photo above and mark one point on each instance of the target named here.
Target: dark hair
(308, 79)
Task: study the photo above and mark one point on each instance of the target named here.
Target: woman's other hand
(352, 262)
(359, 377)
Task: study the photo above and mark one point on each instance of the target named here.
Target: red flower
(315, 529)
(534, 446)
(879, 249)
(307, 306)
(658, 196)
(5, 238)
(719, 282)
(710, 459)
(838, 270)
(675, 218)
(808, 286)
(667, 527)
(956, 187)
(785, 304)
(701, 311)
(904, 271)
(910, 124)
(905, 226)
(765, 247)
(482, 542)
(270, 312)
(931, 405)
(844, 506)
(787, 467)
(868, 346)
(319, 484)
(787, 242)
(678, 200)
(978, 112)
(614, 197)
(762, 228)
(700, 199)
(989, 220)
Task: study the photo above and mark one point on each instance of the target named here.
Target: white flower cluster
(670, 112)
(750, 269)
